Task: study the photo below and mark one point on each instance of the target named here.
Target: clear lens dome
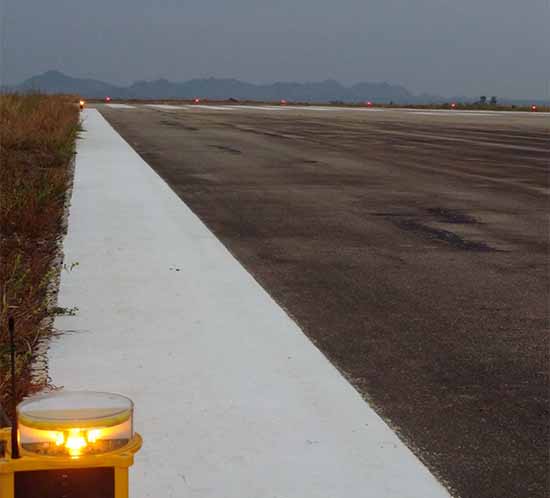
(75, 423)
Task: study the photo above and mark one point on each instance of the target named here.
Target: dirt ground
(411, 247)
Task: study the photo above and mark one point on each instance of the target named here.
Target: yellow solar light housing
(83, 442)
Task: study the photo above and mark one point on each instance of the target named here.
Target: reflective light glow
(533, 108)
(93, 435)
(59, 438)
(75, 442)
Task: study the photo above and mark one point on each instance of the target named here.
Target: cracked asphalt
(412, 248)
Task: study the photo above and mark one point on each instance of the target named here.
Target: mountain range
(225, 88)
(217, 89)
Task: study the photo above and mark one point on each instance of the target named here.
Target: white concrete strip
(120, 106)
(166, 106)
(231, 398)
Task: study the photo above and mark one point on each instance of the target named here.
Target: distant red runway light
(369, 104)
(197, 101)
(453, 106)
(107, 99)
(283, 102)
(534, 108)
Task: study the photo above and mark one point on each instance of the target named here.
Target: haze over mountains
(214, 88)
(220, 89)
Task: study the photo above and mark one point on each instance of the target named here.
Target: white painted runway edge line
(232, 400)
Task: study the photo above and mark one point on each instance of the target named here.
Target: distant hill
(220, 89)
(215, 88)
(57, 82)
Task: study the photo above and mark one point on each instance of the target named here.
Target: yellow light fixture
(67, 431)
(75, 423)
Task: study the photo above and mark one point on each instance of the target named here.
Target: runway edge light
(71, 443)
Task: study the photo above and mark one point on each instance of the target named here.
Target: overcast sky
(445, 47)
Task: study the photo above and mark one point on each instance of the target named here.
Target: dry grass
(37, 140)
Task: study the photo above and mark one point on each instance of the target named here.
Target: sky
(441, 47)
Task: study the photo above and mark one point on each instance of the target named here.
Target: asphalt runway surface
(410, 246)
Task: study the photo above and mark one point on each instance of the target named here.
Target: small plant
(71, 267)
(62, 311)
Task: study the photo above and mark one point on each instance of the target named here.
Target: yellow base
(120, 460)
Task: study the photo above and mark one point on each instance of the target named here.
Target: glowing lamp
(75, 423)
(283, 102)
(81, 104)
(197, 101)
(83, 441)
(534, 108)
(107, 99)
(369, 104)
(453, 106)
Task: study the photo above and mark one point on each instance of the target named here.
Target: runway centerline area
(410, 246)
(119, 106)
(456, 113)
